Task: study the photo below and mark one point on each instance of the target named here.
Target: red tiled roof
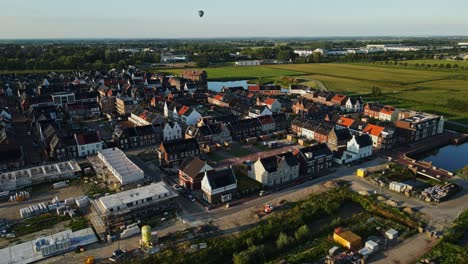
(254, 88)
(388, 110)
(344, 121)
(218, 97)
(339, 97)
(250, 95)
(183, 110)
(373, 130)
(269, 101)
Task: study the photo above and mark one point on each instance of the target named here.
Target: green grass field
(409, 88)
(459, 63)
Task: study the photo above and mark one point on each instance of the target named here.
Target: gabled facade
(219, 186)
(275, 170)
(172, 131)
(88, 144)
(172, 153)
(191, 173)
(315, 160)
(355, 105)
(358, 147)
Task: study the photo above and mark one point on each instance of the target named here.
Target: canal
(217, 86)
(450, 157)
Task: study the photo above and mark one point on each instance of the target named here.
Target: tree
(376, 91)
(316, 57)
(302, 233)
(283, 241)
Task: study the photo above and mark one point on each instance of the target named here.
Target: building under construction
(124, 208)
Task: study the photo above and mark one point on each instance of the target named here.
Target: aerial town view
(234, 133)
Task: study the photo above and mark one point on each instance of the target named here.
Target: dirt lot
(40, 193)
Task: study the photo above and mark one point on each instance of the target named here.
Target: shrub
(283, 241)
(302, 234)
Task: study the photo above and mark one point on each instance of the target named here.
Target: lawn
(214, 157)
(247, 185)
(239, 151)
(38, 223)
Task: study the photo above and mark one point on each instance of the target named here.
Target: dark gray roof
(364, 140)
(221, 178)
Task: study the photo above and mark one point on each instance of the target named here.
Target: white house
(354, 105)
(388, 113)
(256, 111)
(357, 148)
(88, 144)
(172, 131)
(272, 104)
(275, 170)
(248, 63)
(189, 115)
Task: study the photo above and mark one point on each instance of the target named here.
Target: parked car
(263, 193)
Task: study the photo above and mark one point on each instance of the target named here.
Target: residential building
(388, 113)
(382, 137)
(273, 104)
(125, 105)
(357, 148)
(339, 99)
(245, 128)
(216, 133)
(191, 173)
(131, 206)
(248, 63)
(172, 131)
(275, 170)
(268, 124)
(256, 111)
(200, 77)
(172, 153)
(63, 98)
(136, 137)
(353, 104)
(419, 126)
(219, 186)
(304, 107)
(373, 110)
(269, 89)
(88, 144)
(315, 160)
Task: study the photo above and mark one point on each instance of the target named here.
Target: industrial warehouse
(127, 207)
(123, 169)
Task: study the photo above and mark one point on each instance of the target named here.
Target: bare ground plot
(40, 193)
(405, 253)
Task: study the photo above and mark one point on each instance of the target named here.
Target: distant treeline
(95, 54)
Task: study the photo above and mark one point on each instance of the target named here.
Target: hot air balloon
(201, 13)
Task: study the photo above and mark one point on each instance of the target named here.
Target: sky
(230, 18)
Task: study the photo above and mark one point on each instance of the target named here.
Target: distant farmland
(419, 89)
